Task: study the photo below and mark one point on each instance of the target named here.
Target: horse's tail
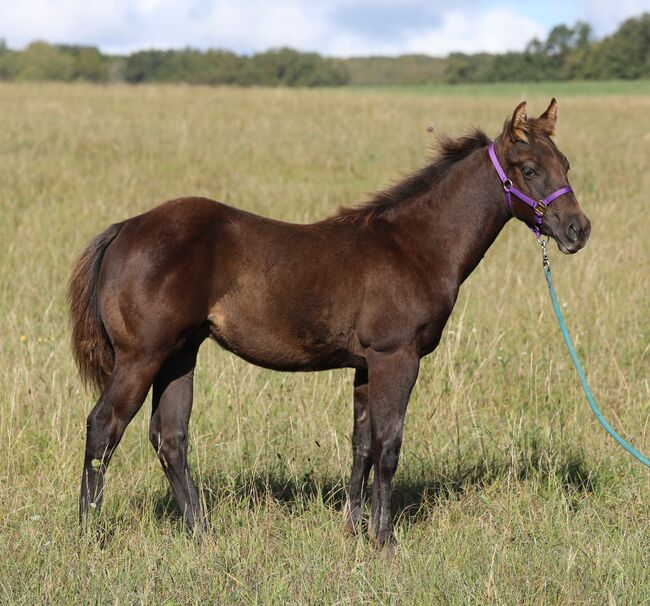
(92, 349)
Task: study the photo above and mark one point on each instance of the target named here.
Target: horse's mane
(449, 152)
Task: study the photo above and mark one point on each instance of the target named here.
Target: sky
(338, 28)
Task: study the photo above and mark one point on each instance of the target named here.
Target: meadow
(508, 491)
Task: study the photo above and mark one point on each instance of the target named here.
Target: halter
(539, 207)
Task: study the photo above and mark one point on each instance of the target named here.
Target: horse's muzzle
(573, 234)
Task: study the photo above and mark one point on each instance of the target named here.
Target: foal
(369, 288)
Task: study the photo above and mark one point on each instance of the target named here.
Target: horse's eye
(528, 172)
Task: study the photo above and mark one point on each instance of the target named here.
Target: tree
(625, 54)
(143, 66)
(42, 61)
(285, 66)
(89, 65)
(568, 52)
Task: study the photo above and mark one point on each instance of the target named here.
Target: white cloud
(258, 25)
(335, 27)
(125, 25)
(64, 21)
(606, 15)
(495, 30)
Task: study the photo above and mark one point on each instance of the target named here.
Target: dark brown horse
(370, 288)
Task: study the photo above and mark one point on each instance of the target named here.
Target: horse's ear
(517, 127)
(549, 117)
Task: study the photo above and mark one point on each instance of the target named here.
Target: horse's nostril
(573, 232)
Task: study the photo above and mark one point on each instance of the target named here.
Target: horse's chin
(571, 249)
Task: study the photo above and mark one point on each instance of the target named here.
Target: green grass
(513, 89)
(508, 491)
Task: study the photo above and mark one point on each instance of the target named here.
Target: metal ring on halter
(507, 184)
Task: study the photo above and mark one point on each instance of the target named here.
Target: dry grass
(508, 491)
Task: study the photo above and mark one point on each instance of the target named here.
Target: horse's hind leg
(361, 458)
(120, 401)
(172, 405)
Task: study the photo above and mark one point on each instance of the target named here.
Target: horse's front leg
(391, 377)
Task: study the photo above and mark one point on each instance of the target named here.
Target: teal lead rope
(576, 362)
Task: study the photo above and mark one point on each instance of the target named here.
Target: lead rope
(576, 362)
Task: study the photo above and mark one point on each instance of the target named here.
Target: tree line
(567, 53)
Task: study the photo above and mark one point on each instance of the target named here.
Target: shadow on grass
(416, 490)
(413, 500)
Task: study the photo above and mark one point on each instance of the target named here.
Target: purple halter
(539, 207)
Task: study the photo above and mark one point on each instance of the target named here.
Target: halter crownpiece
(539, 206)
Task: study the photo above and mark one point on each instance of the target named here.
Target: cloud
(606, 15)
(452, 31)
(126, 25)
(335, 27)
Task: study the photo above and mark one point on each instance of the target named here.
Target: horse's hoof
(386, 543)
(387, 548)
(353, 528)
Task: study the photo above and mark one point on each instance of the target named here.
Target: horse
(370, 288)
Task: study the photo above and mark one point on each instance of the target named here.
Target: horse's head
(538, 168)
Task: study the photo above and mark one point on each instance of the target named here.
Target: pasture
(508, 491)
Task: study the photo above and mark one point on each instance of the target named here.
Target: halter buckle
(540, 208)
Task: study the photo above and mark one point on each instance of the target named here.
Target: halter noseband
(539, 207)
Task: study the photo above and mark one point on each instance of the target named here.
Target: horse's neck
(454, 224)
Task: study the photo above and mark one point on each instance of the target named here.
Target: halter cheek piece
(539, 207)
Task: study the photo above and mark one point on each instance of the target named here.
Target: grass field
(508, 491)
(560, 89)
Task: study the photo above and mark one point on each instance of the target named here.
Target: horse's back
(278, 294)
